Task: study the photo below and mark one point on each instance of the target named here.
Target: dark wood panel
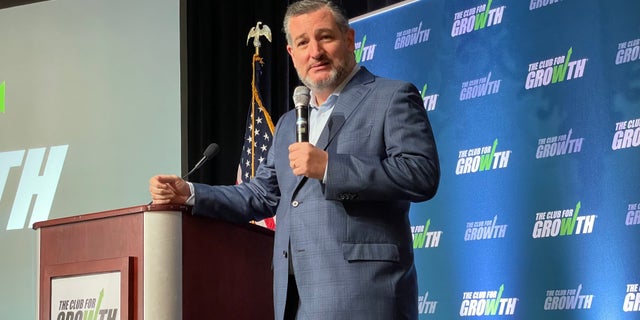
(229, 261)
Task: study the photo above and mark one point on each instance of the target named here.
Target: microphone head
(301, 96)
(211, 151)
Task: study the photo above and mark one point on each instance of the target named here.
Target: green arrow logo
(360, 50)
(2, 85)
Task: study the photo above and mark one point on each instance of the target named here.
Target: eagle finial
(258, 31)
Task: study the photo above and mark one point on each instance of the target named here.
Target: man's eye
(326, 36)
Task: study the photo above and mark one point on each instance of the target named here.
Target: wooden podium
(171, 265)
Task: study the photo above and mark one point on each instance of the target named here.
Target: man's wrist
(191, 200)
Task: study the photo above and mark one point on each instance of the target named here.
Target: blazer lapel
(349, 100)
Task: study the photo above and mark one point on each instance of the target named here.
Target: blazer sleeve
(253, 200)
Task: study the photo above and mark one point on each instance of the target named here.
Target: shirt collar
(332, 98)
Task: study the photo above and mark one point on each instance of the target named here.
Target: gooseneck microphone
(210, 152)
(301, 101)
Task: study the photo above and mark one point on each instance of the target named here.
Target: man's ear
(351, 34)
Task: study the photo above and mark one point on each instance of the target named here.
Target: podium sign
(85, 294)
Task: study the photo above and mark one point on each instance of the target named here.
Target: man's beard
(336, 76)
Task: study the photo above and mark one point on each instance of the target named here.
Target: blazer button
(295, 203)
(284, 254)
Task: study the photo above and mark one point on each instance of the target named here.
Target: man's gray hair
(308, 6)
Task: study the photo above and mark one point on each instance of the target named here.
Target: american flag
(257, 137)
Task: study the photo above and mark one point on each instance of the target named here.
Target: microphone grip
(302, 124)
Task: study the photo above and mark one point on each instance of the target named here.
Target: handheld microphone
(301, 101)
(210, 152)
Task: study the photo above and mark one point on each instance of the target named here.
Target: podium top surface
(132, 210)
(109, 213)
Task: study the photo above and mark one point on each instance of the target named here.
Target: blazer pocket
(370, 251)
(365, 131)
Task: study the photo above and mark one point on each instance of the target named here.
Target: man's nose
(316, 49)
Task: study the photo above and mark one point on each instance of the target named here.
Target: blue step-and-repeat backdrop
(535, 105)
